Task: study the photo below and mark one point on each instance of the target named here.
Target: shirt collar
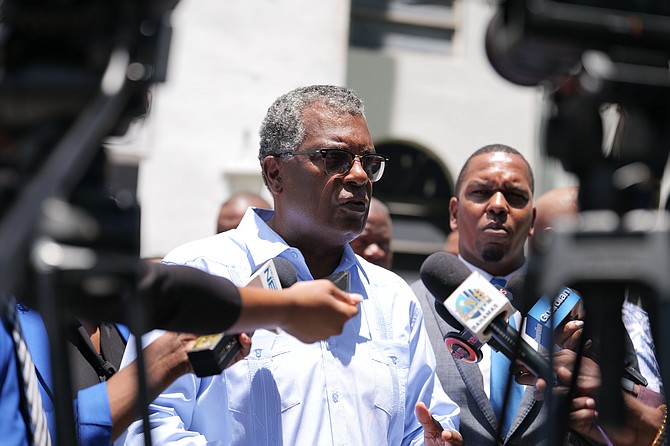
(264, 243)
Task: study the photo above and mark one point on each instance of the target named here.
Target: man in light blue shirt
(373, 384)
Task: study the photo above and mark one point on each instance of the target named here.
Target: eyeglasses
(339, 161)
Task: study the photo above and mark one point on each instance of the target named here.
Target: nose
(357, 174)
(498, 203)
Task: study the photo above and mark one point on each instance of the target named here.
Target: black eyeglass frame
(361, 158)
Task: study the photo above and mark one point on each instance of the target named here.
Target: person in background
(451, 243)
(557, 202)
(358, 388)
(232, 210)
(374, 243)
(493, 213)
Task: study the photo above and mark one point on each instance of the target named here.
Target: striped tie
(36, 421)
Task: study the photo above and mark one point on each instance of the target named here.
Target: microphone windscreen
(516, 283)
(442, 273)
(516, 286)
(287, 273)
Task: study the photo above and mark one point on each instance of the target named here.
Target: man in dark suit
(493, 213)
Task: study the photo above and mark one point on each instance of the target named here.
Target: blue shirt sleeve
(12, 428)
(93, 415)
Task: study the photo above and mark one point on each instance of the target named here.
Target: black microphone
(462, 345)
(473, 303)
(211, 354)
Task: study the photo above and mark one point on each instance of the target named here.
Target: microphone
(479, 307)
(211, 354)
(446, 272)
(567, 306)
(464, 345)
(546, 317)
(340, 280)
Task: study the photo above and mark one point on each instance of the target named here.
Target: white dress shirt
(358, 388)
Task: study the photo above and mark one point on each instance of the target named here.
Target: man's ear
(272, 174)
(453, 213)
(531, 231)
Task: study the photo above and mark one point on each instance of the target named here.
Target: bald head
(233, 209)
(554, 203)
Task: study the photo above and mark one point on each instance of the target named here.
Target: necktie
(36, 421)
(499, 378)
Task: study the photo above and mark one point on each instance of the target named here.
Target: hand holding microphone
(548, 323)
(211, 354)
(309, 310)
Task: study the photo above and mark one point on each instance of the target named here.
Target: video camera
(588, 55)
(72, 73)
(534, 41)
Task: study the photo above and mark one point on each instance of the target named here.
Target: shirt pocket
(390, 362)
(263, 383)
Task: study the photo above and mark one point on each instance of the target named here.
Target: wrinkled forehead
(322, 122)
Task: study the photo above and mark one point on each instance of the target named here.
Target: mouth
(495, 229)
(355, 205)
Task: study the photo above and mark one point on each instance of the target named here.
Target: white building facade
(230, 59)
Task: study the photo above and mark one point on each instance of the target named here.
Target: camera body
(534, 41)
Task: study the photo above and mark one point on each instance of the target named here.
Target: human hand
(319, 310)
(433, 432)
(244, 340)
(642, 422)
(166, 358)
(569, 335)
(588, 380)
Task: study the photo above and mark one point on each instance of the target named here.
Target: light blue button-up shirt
(358, 388)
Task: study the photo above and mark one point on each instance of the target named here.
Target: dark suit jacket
(463, 383)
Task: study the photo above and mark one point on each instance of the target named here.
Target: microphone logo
(557, 303)
(476, 303)
(471, 303)
(463, 346)
(269, 275)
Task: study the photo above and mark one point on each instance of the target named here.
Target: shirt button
(394, 359)
(328, 345)
(258, 352)
(336, 397)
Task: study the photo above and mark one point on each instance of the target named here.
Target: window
(425, 26)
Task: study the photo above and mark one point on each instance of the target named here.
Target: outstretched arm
(310, 310)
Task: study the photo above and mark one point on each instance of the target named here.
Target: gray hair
(283, 129)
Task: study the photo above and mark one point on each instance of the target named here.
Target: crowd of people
(319, 365)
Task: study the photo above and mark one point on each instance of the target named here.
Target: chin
(493, 254)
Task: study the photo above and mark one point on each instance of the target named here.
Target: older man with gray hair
(373, 384)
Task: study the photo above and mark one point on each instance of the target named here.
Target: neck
(497, 269)
(321, 259)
